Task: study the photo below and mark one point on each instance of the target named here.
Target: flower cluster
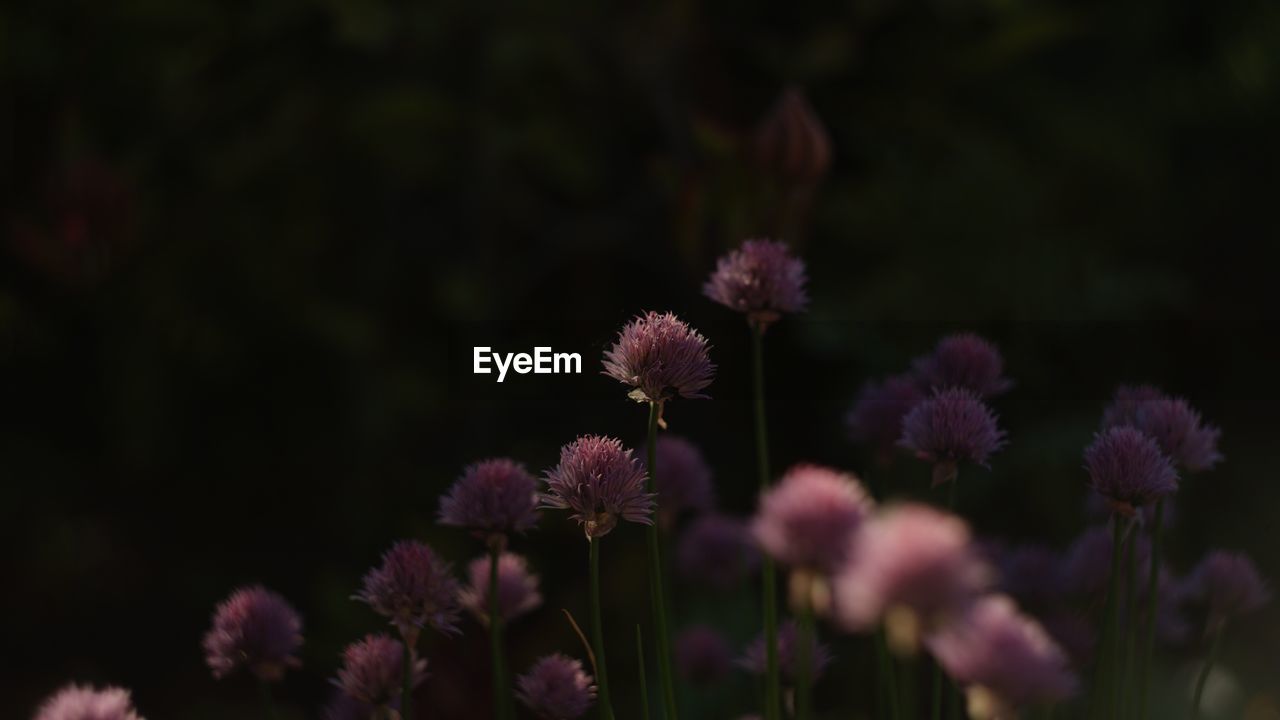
(492, 496)
(660, 357)
(414, 589)
(599, 482)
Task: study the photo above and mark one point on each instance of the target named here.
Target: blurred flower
(414, 588)
(1074, 632)
(951, 426)
(1227, 585)
(1124, 406)
(556, 688)
(964, 361)
(1031, 574)
(256, 629)
(808, 518)
(1099, 509)
(1127, 468)
(75, 702)
(753, 658)
(702, 655)
(790, 143)
(492, 496)
(373, 670)
(1086, 568)
(911, 568)
(344, 707)
(1005, 659)
(517, 588)
(876, 417)
(683, 479)
(660, 357)
(599, 481)
(717, 550)
(1175, 426)
(761, 279)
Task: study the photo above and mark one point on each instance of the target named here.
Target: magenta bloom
(413, 588)
(806, 521)
(1171, 422)
(1127, 468)
(718, 551)
(753, 659)
(599, 481)
(373, 670)
(75, 702)
(683, 479)
(660, 357)
(492, 496)
(517, 588)
(255, 629)
(876, 417)
(950, 427)
(1227, 585)
(912, 568)
(702, 655)
(556, 688)
(761, 279)
(791, 143)
(964, 361)
(1005, 659)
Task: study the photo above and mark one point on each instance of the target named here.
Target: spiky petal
(413, 588)
(952, 426)
(600, 482)
(373, 670)
(964, 361)
(517, 588)
(492, 496)
(761, 279)
(660, 357)
(255, 629)
(1127, 468)
(76, 702)
(556, 688)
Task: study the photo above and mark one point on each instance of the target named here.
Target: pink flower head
(1127, 468)
(718, 551)
(753, 659)
(952, 426)
(761, 279)
(1228, 585)
(75, 702)
(682, 480)
(964, 361)
(660, 357)
(599, 481)
(876, 417)
(517, 588)
(373, 670)
(702, 655)
(414, 589)
(492, 496)
(256, 629)
(556, 688)
(806, 521)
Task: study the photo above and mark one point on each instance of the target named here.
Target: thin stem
(496, 650)
(804, 660)
(937, 668)
(1214, 649)
(888, 680)
(1149, 630)
(597, 632)
(406, 689)
(267, 702)
(657, 597)
(1130, 619)
(1105, 689)
(644, 687)
(772, 678)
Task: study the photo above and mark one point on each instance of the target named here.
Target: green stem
(597, 632)
(937, 668)
(1149, 630)
(772, 678)
(657, 597)
(888, 680)
(406, 689)
(1104, 686)
(267, 702)
(806, 637)
(1130, 619)
(496, 650)
(644, 687)
(1214, 649)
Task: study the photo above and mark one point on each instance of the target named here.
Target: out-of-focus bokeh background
(247, 250)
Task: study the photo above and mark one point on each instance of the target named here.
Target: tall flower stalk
(501, 699)
(769, 571)
(597, 631)
(657, 596)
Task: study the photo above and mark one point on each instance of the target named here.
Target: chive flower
(517, 588)
(790, 143)
(1175, 426)
(807, 519)
(964, 361)
(76, 702)
(255, 629)
(760, 279)
(876, 417)
(1127, 468)
(702, 655)
(950, 427)
(373, 670)
(556, 688)
(753, 658)
(660, 357)
(413, 588)
(717, 551)
(599, 482)
(496, 496)
(1227, 585)
(683, 479)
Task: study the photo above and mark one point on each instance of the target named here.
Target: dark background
(247, 251)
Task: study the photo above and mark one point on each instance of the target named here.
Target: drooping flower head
(517, 588)
(717, 551)
(496, 496)
(1227, 585)
(964, 361)
(556, 688)
(761, 279)
(807, 519)
(876, 417)
(415, 589)
(1004, 659)
(75, 702)
(660, 357)
(1126, 467)
(951, 426)
(599, 481)
(255, 629)
(1175, 426)
(911, 568)
(753, 658)
(703, 656)
(373, 670)
(682, 480)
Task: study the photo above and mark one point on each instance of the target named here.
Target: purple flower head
(556, 688)
(951, 426)
(964, 361)
(599, 481)
(717, 550)
(492, 496)
(517, 588)
(790, 143)
(373, 670)
(1127, 468)
(1180, 432)
(255, 629)
(413, 588)
(660, 357)
(1227, 585)
(1126, 402)
(912, 568)
(806, 521)
(1005, 659)
(1086, 568)
(703, 656)
(75, 702)
(682, 480)
(876, 417)
(753, 658)
(761, 279)
(1031, 574)
(344, 707)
